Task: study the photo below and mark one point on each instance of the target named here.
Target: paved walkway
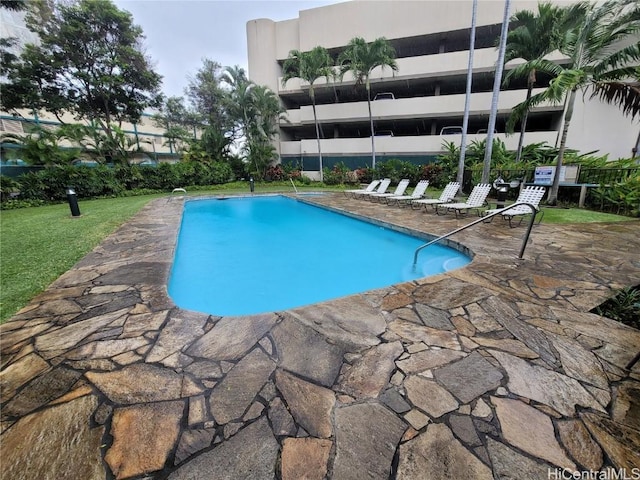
(495, 370)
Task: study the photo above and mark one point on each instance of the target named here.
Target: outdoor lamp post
(72, 198)
(251, 184)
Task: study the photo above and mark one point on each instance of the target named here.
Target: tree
(309, 67)
(175, 118)
(600, 41)
(360, 58)
(535, 37)
(467, 98)
(497, 81)
(89, 63)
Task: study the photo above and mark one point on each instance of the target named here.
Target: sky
(180, 33)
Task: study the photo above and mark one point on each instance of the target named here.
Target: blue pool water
(245, 256)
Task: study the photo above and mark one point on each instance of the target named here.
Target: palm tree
(467, 97)
(603, 51)
(535, 37)
(360, 58)
(496, 93)
(309, 66)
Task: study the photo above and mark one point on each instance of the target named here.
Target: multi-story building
(421, 105)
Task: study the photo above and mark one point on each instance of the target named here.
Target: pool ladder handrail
(482, 219)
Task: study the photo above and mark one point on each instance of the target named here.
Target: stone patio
(495, 370)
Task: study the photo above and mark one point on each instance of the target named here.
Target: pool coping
(102, 339)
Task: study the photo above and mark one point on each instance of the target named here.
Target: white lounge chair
(531, 195)
(447, 195)
(400, 189)
(417, 193)
(476, 200)
(370, 188)
(382, 188)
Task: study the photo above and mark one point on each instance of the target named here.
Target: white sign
(544, 175)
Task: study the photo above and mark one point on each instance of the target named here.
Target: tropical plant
(497, 81)
(623, 307)
(598, 40)
(535, 36)
(309, 66)
(361, 58)
(41, 147)
(88, 62)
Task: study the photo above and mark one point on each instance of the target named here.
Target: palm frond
(625, 95)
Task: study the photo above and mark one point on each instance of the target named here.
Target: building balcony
(407, 108)
(406, 145)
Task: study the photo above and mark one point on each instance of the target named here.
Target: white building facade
(418, 103)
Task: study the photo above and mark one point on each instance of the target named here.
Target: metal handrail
(534, 210)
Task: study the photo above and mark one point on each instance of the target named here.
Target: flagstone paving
(495, 370)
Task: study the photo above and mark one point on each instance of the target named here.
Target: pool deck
(495, 370)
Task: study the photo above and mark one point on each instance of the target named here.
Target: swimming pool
(249, 255)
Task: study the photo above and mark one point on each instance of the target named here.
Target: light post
(72, 198)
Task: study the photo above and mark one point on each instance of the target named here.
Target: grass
(38, 244)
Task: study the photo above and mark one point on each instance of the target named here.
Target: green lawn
(39, 244)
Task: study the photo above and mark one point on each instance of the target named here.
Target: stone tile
(394, 400)
(71, 335)
(395, 301)
(198, 411)
(305, 458)
(142, 323)
(463, 326)
(437, 455)
(428, 359)
(370, 374)
(193, 441)
(428, 396)
(449, 293)
(311, 405)
(232, 337)
(507, 316)
(143, 437)
(462, 427)
(482, 410)
(150, 273)
(417, 419)
(181, 329)
(106, 348)
(620, 443)
(204, 369)
(580, 363)
(433, 317)
(545, 386)
(9, 338)
(367, 436)
(626, 406)
(537, 438)
(514, 347)
(482, 322)
(55, 443)
(17, 374)
(582, 448)
(469, 378)
(281, 420)
(41, 391)
(255, 410)
(250, 454)
(138, 383)
(236, 392)
(511, 465)
(353, 323)
(430, 336)
(305, 352)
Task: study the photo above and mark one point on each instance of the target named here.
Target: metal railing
(534, 211)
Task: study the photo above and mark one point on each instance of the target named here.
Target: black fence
(598, 176)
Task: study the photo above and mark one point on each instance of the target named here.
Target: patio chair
(447, 195)
(382, 188)
(417, 193)
(532, 195)
(476, 200)
(400, 189)
(370, 188)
